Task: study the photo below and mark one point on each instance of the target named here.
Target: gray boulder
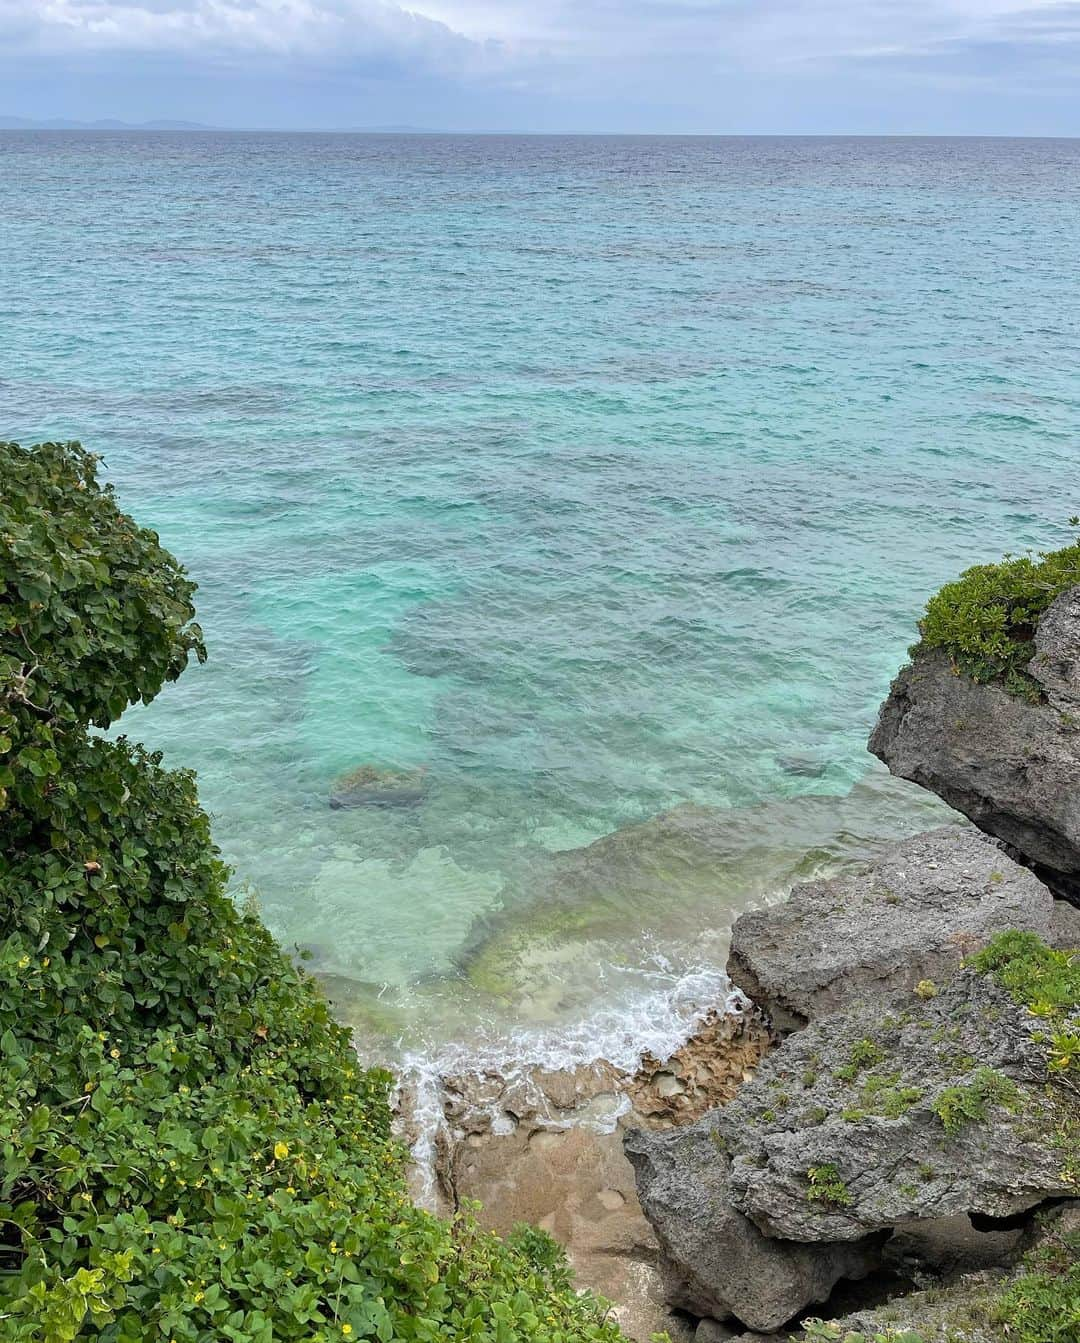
(716, 1262)
(1010, 764)
(869, 1120)
(910, 916)
(1056, 664)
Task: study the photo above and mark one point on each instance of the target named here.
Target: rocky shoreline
(884, 1109)
(546, 1147)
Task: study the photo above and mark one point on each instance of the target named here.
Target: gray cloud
(694, 55)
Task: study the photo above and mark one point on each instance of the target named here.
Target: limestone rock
(706, 1071)
(1008, 764)
(954, 1245)
(712, 1331)
(841, 1133)
(961, 1311)
(870, 1119)
(1056, 663)
(1065, 926)
(717, 1262)
(546, 1147)
(910, 916)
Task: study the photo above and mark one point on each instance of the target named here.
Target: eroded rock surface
(1009, 764)
(931, 1110)
(869, 1119)
(716, 1262)
(546, 1147)
(911, 916)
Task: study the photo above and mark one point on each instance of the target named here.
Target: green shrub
(188, 1147)
(864, 1054)
(1044, 980)
(94, 614)
(985, 620)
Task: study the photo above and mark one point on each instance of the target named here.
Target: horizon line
(164, 126)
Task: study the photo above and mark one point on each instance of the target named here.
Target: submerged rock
(686, 870)
(374, 786)
(1010, 764)
(802, 766)
(911, 916)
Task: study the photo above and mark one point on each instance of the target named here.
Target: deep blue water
(596, 476)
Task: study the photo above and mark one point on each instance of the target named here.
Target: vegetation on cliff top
(188, 1148)
(985, 620)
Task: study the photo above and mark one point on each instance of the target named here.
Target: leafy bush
(986, 619)
(94, 614)
(188, 1148)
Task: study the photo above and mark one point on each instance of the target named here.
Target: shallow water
(596, 476)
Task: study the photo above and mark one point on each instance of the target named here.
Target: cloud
(763, 35)
(687, 58)
(523, 31)
(278, 28)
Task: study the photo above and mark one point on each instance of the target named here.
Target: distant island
(110, 124)
(63, 124)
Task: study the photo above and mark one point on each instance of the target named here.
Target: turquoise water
(600, 477)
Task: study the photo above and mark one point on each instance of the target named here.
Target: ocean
(598, 481)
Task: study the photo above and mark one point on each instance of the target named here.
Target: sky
(719, 66)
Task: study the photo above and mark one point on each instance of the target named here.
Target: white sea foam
(655, 1019)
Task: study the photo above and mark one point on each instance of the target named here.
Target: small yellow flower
(114, 1053)
(198, 1297)
(346, 1329)
(281, 1150)
(24, 962)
